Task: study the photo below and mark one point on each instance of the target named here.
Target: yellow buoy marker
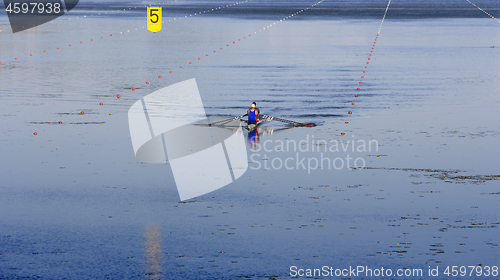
(154, 19)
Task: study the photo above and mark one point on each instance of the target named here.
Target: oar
(287, 121)
(223, 122)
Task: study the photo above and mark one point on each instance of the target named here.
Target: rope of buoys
(137, 29)
(209, 10)
(369, 57)
(490, 15)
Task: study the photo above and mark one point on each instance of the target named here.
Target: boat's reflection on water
(261, 132)
(254, 135)
(253, 138)
(153, 253)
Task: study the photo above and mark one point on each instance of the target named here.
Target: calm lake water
(76, 203)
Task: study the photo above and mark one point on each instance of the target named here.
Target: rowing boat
(263, 118)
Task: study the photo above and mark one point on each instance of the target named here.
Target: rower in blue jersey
(253, 113)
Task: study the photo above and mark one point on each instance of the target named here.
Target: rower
(253, 113)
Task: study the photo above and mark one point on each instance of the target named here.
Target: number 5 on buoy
(154, 19)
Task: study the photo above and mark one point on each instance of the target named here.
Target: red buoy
(364, 71)
(170, 72)
(358, 89)
(353, 103)
(199, 58)
(206, 55)
(181, 66)
(360, 82)
(362, 77)
(110, 35)
(350, 113)
(356, 95)
(44, 51)
(60, 122)
(70, 45)
(35, 133)
(159, 77)
(147, 83)
(234, 43)
(31, 55)
(117, 96)
(346, 122)
(342, 133)
(101, 104)
(214, 51)
(82, 112)
(133, 89)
